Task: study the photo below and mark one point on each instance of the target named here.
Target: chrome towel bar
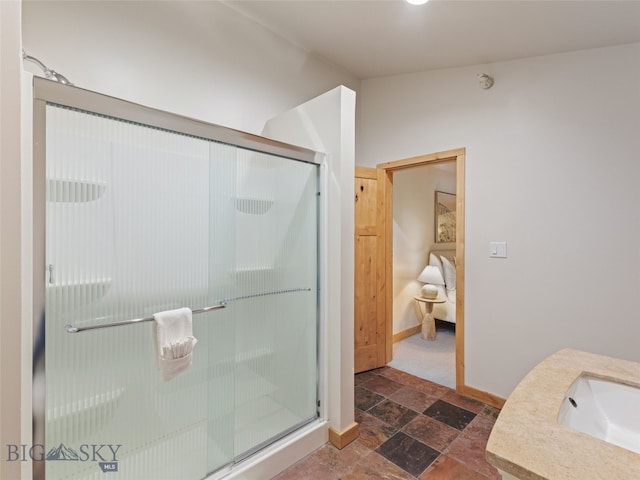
(73, 329)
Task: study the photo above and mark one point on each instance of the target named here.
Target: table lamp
(431, 277)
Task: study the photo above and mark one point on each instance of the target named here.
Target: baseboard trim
(482, 396)
(409, 332)
(344, 438)
(471, 392)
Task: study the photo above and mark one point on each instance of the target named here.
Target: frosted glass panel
(128, 235)
(276, 335)
(141, 220)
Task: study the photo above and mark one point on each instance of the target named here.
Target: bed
(444, 260)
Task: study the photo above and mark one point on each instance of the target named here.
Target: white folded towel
(173, 341)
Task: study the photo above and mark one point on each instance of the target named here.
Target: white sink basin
(603, 409)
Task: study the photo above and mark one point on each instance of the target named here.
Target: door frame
(385, 180)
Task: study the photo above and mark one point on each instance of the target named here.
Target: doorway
(386, 177)
(423, 237)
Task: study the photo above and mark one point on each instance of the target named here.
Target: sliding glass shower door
(141, 220)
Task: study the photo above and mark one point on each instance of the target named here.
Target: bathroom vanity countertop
(528, 442)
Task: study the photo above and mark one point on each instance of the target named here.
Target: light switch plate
(498, 249)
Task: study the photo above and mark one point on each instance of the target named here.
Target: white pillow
(435, 261)
(449, 274)
(451, 295)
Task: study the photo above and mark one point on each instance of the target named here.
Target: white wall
(552, 168)
(413, 233)
(13, 344)
(198, 59)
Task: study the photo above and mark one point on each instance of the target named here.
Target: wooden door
(369, 331)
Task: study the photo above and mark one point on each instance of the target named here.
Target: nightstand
(424, 309)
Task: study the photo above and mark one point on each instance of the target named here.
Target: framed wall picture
(445, 217)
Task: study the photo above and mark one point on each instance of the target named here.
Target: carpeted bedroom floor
(430, 359)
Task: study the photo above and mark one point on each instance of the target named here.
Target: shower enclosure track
(222, 304)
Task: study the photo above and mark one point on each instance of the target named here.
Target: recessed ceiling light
(417, 2)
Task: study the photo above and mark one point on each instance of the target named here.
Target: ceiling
(375, 38)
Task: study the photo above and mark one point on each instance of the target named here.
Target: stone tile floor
(410, 428)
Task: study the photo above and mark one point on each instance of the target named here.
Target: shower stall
(138, 211)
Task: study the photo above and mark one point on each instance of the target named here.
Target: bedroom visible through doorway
(424, 234)
(388, 172)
